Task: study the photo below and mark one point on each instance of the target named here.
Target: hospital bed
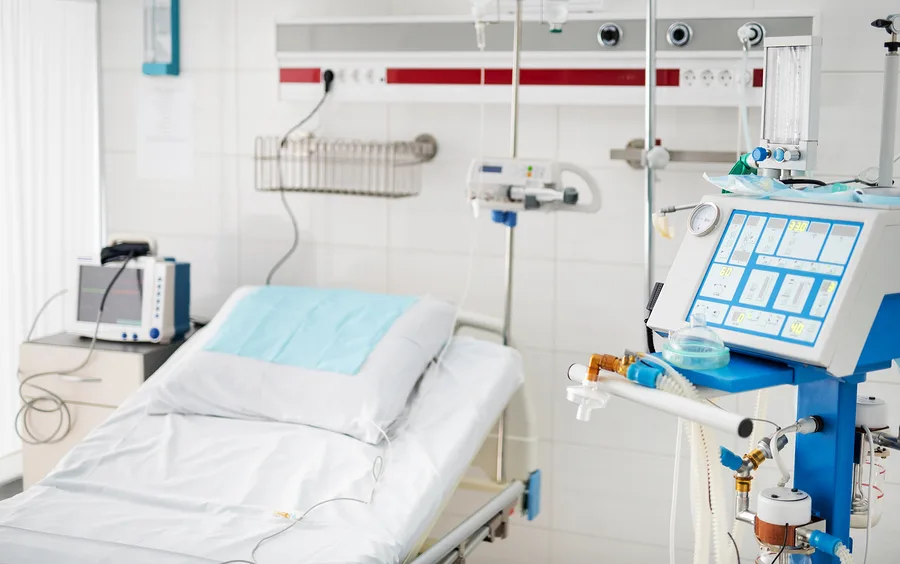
(198, 489)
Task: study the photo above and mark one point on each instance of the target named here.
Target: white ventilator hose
(709, 505)
(673, 514)
(843, 554)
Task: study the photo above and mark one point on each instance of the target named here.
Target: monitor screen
(124, 304)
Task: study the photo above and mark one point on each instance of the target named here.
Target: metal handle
(592, 186)
(79, 379)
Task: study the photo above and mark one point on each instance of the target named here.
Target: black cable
(783, 544)
(57, 403)
(651, 347)
(803, 181)
(736, 551)
(113, 282)
(328, 78)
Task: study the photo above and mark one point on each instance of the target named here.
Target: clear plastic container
(767, 556)
(696, 347)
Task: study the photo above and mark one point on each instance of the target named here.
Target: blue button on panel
(154, 333)
(134, 337)
(125, 336)
(779, 154)
(760, 154)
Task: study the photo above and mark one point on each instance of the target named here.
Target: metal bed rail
(489, 523)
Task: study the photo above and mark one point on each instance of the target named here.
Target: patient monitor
(148, 302)
(812, 283)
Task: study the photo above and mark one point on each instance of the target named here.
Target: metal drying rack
(338, 166)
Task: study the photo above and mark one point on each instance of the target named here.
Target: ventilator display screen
(776, 276)
(124, 305)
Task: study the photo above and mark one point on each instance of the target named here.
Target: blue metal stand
(823, 465)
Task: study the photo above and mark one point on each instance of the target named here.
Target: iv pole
(510, 228)
(649, 143)
(889, 103)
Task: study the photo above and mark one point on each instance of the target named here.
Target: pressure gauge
(704, 219)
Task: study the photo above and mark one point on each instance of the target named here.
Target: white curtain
(49, 170)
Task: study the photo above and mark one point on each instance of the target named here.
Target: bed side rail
(489, 523)
(479, 321)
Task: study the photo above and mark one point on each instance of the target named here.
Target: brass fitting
(756, 457)
(742, 485)
(609, 363)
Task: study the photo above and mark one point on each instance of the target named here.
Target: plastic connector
(809, 425)
(507, 218)
(644, 374)
(824, 542)
(729, 459)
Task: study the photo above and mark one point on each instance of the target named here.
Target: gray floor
(10, 489)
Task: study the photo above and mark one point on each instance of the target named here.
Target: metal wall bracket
(633, 154)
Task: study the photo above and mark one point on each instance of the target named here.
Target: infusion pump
(813, 283)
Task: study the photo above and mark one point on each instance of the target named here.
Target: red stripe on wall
(757, 78)
(532, 77)
(300, 75)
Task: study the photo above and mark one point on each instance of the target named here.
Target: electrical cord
(736, 551)
(866, 176)
(328, 78)
(783, 544)
(378, 468)
(41, 312)
(57, 404)
(871, 501)
(803, 181)
(651, 346)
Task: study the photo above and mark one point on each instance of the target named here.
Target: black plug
(328, 79)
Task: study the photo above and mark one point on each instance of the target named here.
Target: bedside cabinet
(115, 372)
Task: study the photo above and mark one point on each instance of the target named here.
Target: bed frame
(509, 451)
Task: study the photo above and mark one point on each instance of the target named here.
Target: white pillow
(225, 376)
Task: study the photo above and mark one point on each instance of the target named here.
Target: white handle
(702, 413)
(79, 379)
(592, 186)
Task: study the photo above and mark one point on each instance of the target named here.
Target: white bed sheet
(181, 488)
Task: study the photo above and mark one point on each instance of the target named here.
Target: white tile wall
(577, 278)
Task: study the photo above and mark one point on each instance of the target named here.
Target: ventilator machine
(787, 288)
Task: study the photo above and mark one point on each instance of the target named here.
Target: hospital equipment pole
(649, 143)
(510, 228)
(889, 117)
(101, 228)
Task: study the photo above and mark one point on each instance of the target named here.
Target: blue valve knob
(729, 459)
(779, 154)
(760, 154)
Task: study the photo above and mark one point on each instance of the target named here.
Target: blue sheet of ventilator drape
(313, 328)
